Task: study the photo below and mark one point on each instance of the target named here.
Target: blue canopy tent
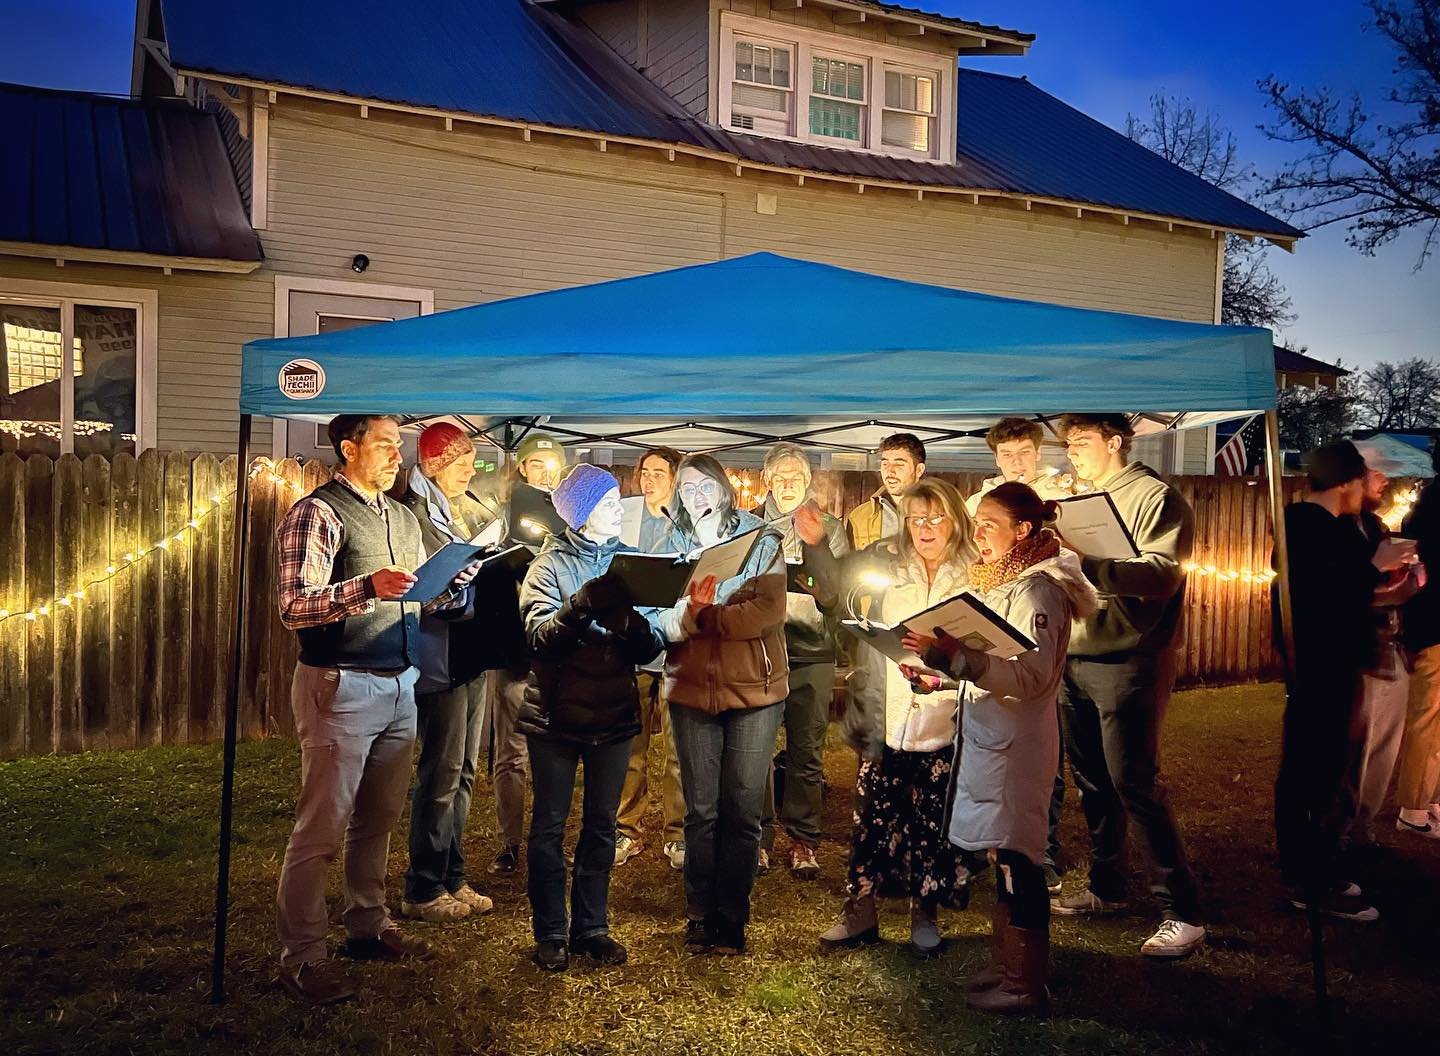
(743, 352)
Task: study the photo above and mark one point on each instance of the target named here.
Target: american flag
(1240, 456)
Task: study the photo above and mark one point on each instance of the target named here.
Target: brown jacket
(733, 655)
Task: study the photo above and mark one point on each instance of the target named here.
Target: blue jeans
(724, 765)
(552, 773)
(449, 728)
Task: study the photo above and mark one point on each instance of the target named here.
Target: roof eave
(62, 255)
(1283, 240)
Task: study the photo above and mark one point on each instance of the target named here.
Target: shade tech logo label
(302, 379)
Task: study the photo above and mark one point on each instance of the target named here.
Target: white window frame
(65, 296)
(809, 53)
(932, 117)
(805, 43)
(792, 93)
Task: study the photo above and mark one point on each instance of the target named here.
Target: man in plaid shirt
(346, 556)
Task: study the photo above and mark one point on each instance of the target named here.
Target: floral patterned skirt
(899, 846)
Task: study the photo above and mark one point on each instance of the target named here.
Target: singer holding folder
(581, 707)
(726, 673)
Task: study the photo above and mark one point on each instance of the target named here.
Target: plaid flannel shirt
(308, 540)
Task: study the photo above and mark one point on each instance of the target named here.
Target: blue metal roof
(118, 174)
(509, 59)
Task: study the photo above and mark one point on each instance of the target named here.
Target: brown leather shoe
(316, 983)
(1022, 989)
(993, 974)
(392, 944)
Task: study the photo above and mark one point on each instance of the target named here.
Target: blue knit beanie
(580, 492)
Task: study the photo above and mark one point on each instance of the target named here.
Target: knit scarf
(1039, 547)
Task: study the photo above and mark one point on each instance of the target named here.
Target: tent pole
(1274, 472)
(232, 709)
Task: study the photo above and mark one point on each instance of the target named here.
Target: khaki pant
(634, 797)
(1380, 723)
(357, 738)
(1420, 752)
(505, 692)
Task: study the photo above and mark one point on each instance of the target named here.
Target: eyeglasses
(934, 522)
(705, 487)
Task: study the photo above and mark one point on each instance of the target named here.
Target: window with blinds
(909, 110)
(762, 89)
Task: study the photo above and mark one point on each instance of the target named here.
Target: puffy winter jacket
(584, 671)
(1009, 741)
(732, 654)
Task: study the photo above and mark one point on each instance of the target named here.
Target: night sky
(1107, 59)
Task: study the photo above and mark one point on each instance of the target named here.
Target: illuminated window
(32, 356)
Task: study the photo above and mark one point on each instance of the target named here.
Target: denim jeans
(357, 737)
(449, 728)
(806, 719)
(724, 761)
(552, 775)
(1113, 711)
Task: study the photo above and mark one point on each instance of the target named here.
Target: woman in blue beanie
(582, 706)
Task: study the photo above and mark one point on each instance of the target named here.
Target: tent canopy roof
(784, 345)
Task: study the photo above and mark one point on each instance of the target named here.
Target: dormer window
(805, 85)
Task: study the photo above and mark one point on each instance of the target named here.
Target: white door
(326, 313)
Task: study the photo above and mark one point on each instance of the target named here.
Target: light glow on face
(930, 528)
(898, 471)
(1017, 460)
(542, 471)
(789, 480)
(606, 518)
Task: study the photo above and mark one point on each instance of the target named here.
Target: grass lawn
(106, 895)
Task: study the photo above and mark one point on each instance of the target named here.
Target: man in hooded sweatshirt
(1118, 679)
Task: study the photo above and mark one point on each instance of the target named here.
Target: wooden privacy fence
(143, 655)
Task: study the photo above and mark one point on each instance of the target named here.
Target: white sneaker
(675, 851)
(1173, 938)
(444, 908)
(626, 848)
(477, 902)
(1429, 828)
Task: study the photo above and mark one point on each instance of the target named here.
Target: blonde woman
(898, 844)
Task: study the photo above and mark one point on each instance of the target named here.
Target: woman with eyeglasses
(898, 842)
(1009, 743)
(726, 674)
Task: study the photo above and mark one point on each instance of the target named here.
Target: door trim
(285, 285)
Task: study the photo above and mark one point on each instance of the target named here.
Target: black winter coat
(584, 672)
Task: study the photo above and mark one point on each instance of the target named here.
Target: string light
(1400, 507)
(1228, 575)
(263, 469)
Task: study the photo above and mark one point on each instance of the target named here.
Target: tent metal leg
(1274, 472)
(232, 711)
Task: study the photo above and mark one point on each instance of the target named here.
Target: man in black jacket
(1332, 581)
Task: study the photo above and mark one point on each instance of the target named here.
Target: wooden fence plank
(40, 731)
(284, 648)
(225, 593)
(95, 609)
(151, 647)
(67, 500)
(258, 605)
(124, 710)
(205, 708)
(14, 705)
(176, 599)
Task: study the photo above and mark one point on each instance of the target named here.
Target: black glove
(601, 595)
(945, 654)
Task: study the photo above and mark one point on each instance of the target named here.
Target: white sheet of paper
(491, 533)
(1091, 526)
(634, 507)
(723, 560)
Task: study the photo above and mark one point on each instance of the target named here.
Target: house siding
(476, 215)
(666, 40)
(823, 20)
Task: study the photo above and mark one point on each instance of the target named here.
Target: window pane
(838, 120)
(30, 379)
(744, 62)
(105, 380)
(909, 91)
(911, 131)
(781, 68)
(837, 78)
(759, 98)
(762, 64)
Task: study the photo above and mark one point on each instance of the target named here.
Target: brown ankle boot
(992, 974)
(1023, 987)
(858, 926)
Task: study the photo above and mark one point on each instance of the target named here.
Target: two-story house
(289, 168)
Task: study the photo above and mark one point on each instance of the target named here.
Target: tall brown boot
(1023, 987)
(992, 974)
